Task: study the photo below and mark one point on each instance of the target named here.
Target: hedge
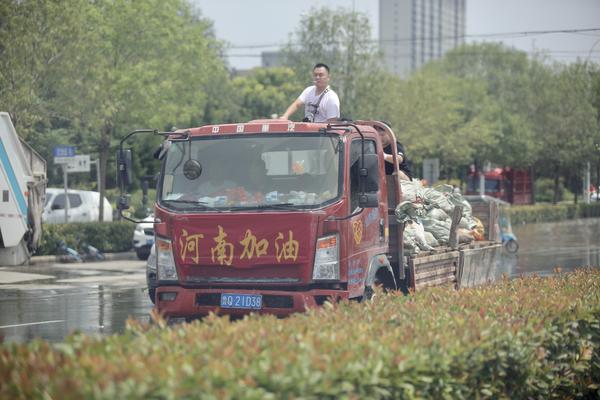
(105, 236)
(533, 337)
(553, 212)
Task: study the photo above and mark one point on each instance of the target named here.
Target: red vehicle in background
(514, 186)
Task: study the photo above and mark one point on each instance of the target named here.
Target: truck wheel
(152, 294)
(512, 246)
(383, 280)
(142, 253)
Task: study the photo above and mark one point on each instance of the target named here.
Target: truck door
(365, 231)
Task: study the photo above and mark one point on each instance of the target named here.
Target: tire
(142, 253)
(152, 294)
(383, 281)
(512, 246)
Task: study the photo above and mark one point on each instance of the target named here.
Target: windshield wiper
(198, 204)
(274, 206)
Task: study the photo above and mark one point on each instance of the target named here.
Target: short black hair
(321, 65)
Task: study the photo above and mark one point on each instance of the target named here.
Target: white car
(83, 206)
(143, 237)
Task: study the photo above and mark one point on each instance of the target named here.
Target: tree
(569, 132)
(141, 64)
(265, 91)
(512, 83)
(341, 39)
(34, 40)
(448, 118)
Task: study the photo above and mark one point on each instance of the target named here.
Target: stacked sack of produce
(427, 212)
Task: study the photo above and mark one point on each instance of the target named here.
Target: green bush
(532, 337)
(553, 212)
(105, 236)
(544, 191)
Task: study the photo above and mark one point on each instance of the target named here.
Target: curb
(129, 255)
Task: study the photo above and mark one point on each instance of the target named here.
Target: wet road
(545, 246)
(50, 301)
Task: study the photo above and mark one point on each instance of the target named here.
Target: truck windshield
(253, 171)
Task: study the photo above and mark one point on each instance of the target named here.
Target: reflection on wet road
(546, 246)
(51, 301)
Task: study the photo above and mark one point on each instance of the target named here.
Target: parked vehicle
(143, 237)
(273, 217)
(83, 206)
(482, 206)
(84, 252)
(22, 186)
(512, 185)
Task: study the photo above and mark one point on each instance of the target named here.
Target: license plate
(247, 301)
(149, 242)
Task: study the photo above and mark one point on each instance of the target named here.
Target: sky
(253, 26)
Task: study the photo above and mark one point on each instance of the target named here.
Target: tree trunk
(556, 178)
(103, 156)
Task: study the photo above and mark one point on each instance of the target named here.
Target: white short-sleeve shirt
(328, 108)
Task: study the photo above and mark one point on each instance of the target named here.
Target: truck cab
(272, 217)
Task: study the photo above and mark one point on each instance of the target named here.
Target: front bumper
(190, 302)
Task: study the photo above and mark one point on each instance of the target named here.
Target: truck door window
(355, 151)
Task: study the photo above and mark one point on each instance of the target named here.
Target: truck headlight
(165, 262)
(327, 259)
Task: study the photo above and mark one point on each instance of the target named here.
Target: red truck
(512, 185)
(273, 216)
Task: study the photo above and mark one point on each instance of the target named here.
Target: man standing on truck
(320, 102)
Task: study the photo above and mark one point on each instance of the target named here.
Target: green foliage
(265, 91)
(523, 338)
(553, 212)
(510, 80)
(442, 117)
(34, 36)
(105, 236)
(544, 190)
(341, 39)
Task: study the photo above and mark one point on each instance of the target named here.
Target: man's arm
(292, 109)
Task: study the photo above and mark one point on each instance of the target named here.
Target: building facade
(412, 32)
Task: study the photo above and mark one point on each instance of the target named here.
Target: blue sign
(63, 151)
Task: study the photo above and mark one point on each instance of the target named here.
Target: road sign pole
(97, 164)
(65, 177)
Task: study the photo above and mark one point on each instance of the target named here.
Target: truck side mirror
(370, 173)
(368, 200)
(124, 169)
